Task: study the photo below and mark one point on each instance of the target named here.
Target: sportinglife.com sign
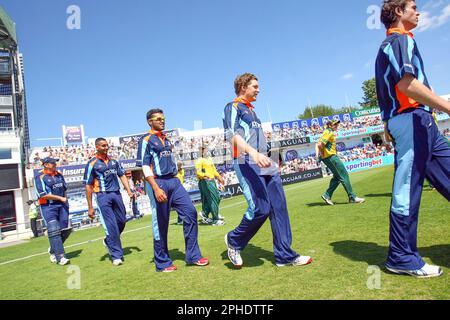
(298, 124)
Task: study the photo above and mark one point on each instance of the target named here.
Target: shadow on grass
(174, 254)
(253, 257)
(379, 195)
(323, 204)
(375, 254)
(73, 254)
(126, 251)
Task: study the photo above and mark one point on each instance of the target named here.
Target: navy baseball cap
(50, 160)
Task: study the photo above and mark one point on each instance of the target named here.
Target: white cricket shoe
(427, 271)
(299, 261)
(52, 256)
(63, 261)
(358, 200)
(117, 262)
(234, 255)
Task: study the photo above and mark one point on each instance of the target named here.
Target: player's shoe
(218, 223)
(299, 261)
(169, 269)
(63, 261)
(202, 262)
(207, 221)
(357, 200)
(52, 256)
(327, 200)
(234, 255)
(117, 262)
(221, 217)
(427, 271)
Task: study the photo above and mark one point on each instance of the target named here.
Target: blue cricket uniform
(262, 188)
(420, 149)
(55, 213)
(155, 150)
(103, 175)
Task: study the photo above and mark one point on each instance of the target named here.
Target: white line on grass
(288, 188)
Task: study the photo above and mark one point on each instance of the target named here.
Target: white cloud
(347, 76)
(429, 21)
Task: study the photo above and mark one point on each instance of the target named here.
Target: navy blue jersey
(103, 174)
(398, 56)
(155, 151)
(47, 183)
(239, 118)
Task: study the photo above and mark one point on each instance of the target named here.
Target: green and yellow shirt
(329, 141)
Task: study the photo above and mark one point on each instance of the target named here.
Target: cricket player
(259, 178)
(207, 174)
(326, 152)
(51, 190)
(101, 176)
(165, 190)
(406, 103)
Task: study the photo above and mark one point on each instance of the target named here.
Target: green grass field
(343, 240)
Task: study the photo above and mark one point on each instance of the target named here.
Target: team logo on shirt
(57, 186)
(256, 125)
(165, 154)
(109, 172)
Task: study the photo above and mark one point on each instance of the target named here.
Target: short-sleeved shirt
(239, 118)
(47, 183)
(329, 141)
(398, 56)
(206, 169)
(155, 151)
(103, 174)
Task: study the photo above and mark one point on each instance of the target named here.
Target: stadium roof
(7, 30)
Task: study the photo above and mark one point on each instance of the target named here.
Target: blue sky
(183, 56)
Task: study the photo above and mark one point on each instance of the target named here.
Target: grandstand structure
(14, 133)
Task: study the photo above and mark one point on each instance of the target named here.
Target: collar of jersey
(105, 159)
(50, 173)
(159, 134)
(399, 31)
(246, 102)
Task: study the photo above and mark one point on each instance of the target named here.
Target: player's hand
(63, 200)
(387, 135)
(131, 195)
(91, 213)
(160, 195)
(262, 161)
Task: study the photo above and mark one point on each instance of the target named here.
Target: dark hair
(152, 112)
(388, 15)
(98, 140)
(243, 81)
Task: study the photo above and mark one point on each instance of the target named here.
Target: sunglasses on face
(158, 119)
